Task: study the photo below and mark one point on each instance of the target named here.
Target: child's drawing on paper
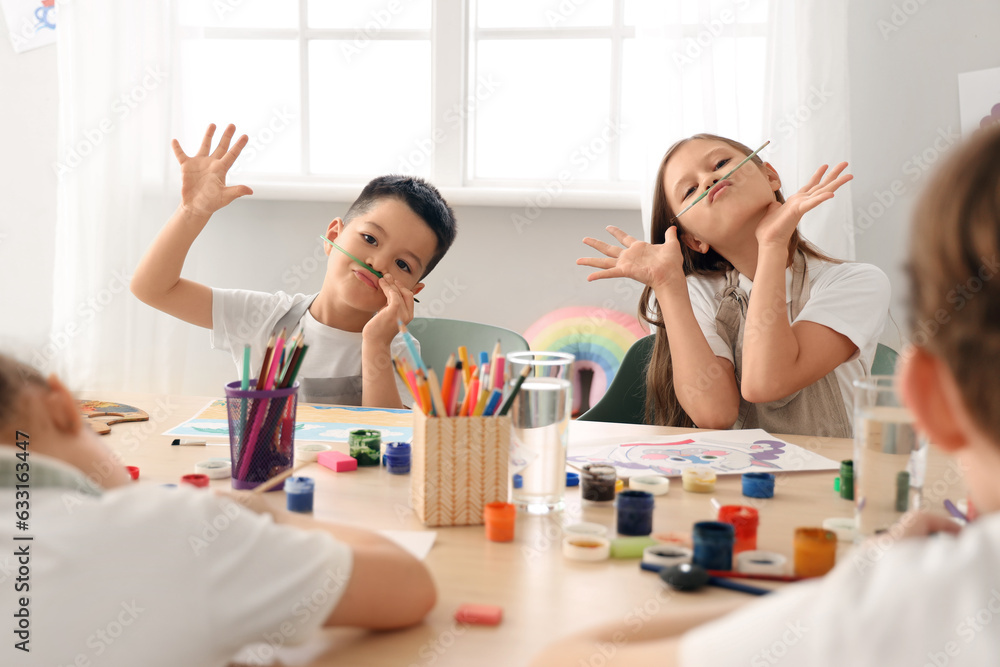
(762, 453)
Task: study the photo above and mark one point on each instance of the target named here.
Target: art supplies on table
(459, 453)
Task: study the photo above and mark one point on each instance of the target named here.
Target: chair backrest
(625, 400)
(885, 360)
(439, 337)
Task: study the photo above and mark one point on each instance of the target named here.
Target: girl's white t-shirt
(850, 298)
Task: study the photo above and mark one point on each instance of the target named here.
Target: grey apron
(814, 410)
(332, 391)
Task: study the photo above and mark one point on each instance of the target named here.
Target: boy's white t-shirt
(148, 575)
(850, 298)
(244, 316)
(925, 602)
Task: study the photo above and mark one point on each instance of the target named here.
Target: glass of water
(540, 428)
(890, 457)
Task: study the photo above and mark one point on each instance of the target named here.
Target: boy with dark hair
(399, 226)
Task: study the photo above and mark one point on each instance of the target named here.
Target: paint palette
(100, 415)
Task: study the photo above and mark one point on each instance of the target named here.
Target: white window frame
(451, 35)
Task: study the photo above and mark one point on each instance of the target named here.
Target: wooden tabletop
(543, 595)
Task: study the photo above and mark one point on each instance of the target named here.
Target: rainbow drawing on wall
(597, 337)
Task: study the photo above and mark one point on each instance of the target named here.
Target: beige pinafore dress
(814, 410)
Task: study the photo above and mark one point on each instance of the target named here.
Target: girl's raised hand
(650, 264)
(203, 175)
(777, 225)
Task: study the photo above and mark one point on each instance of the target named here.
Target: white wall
(904, 111)
(903, 93)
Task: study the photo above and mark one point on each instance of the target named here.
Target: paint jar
(713, 545)
(196, 480)
(745, 521)
(397, 458)
(299, 494)
(698, 479)
(758, 484)
(635, 512)
(597, 482)
(847, 479)
(499, 519)
(365, 445)
(815, 551)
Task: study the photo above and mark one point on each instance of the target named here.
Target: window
(490, 98)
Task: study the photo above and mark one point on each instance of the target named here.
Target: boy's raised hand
(203, 175)
(648, 263)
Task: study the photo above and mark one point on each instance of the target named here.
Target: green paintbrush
(731, 171)
(373, 271)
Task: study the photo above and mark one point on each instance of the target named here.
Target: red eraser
(479, 614)
(337, 461)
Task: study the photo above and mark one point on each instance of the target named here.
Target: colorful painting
(726, 452)
(313, 423)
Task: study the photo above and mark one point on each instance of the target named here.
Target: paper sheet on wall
(979, 99)
(30, 23)
(313, 423)
(726, 452)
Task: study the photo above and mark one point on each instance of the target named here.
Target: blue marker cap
(518, 481)
(572, 479)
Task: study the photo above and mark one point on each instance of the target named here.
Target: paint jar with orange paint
(499, 518)
(815, 551)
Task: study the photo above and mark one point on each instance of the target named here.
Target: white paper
(979, 99)
(726, 452)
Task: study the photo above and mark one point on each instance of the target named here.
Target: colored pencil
(525, 372)
(463, 356)
(447, 383)
(411, 344)
(245, 381)
(492, 403)
(275, 361)
(262, 376)
(436, 397)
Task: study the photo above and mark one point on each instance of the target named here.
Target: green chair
(885, 360)
(624, 402)
(439, 337)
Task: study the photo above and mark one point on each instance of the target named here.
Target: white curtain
(752, 70)
(114, 61)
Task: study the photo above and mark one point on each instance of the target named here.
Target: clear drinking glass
(890, 457)
(540, 428)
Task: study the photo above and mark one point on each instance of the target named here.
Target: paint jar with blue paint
(397, 458)
(635, 512)
(758, 484)
(713, 545)
(299, 491)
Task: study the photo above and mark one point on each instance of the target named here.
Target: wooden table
(543, 595)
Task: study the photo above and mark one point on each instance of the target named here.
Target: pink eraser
(337, 461)
(479, 614)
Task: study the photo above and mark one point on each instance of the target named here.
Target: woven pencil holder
(459, 464)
